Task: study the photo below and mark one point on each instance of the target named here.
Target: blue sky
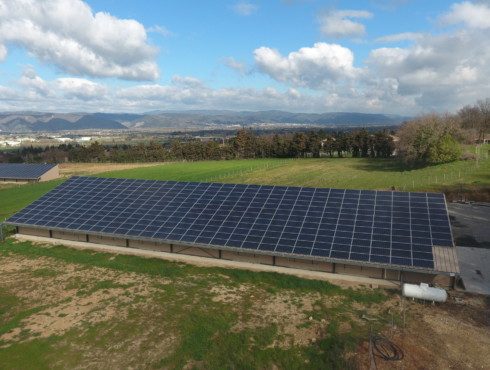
(404, 57)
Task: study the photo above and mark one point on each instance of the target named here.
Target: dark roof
(24, 171)
(366, 227)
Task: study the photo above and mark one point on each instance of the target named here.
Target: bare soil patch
(84, 169)
(83, 302)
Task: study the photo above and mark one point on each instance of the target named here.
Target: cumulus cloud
(35, 85)
(438, 72)
(80, 88)
(172, 96)
(67, 34)
(338, 23)
(315, 67)
(244, 8)
(470, 14)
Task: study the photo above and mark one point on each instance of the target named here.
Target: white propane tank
(424, 291)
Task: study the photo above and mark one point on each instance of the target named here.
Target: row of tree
(245, 145)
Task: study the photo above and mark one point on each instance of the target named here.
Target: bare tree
(476, 118)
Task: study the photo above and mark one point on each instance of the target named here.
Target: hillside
(203, 119)
(52, 122)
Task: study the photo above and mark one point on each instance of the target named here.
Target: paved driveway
(471, 230)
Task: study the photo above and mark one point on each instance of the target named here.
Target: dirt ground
(454, 335)
(85, 169)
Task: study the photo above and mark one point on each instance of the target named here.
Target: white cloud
(67, 34)
(316, 67)
(164, 31)
(3, 52)
(440, 72)
(240, 67)
(245, 8)
(410, 36)
(470, 14)
(337, 23)
(35, 85)
(80, 88)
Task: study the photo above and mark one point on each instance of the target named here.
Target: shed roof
(24, 171)
(389, 229)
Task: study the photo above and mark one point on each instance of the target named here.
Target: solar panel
(23, 171)
(379, 227)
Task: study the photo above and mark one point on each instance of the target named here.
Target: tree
(383, 144)
(445, 150)
(299, 144)
(429, 139)
(476, 118)
(341, 143)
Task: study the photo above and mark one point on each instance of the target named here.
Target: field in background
(206, 171)
(463, 179)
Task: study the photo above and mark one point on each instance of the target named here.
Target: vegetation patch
(147, 312)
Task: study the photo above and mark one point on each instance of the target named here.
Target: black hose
(386, 349)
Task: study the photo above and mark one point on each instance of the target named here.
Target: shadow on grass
(379, 164)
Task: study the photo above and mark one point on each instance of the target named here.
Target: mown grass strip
(14, 199)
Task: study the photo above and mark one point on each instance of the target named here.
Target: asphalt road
(471, 230)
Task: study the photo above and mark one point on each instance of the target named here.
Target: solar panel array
(367, 226)
(23, 171)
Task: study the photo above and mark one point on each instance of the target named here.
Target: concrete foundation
(280, 261)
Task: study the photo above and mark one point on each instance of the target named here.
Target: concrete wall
(192, 251)
(20, 181)
(150, 246)
(35, 232)
(118, 242)
(304, 264)
(247, 257)
(371, 272)
(69, 236)
(52, 174)
(392, 275)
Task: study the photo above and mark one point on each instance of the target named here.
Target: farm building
(390, 235)
(22, 173)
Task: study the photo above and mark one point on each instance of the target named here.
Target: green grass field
(199, 171)
(15, 198)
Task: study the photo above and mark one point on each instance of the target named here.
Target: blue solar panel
(24, 171)
(359, 225)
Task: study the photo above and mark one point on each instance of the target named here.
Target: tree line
(244, 145)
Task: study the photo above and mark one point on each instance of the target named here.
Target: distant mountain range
(198, 119)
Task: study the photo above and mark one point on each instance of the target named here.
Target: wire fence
(242, 171)
(447, 175)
